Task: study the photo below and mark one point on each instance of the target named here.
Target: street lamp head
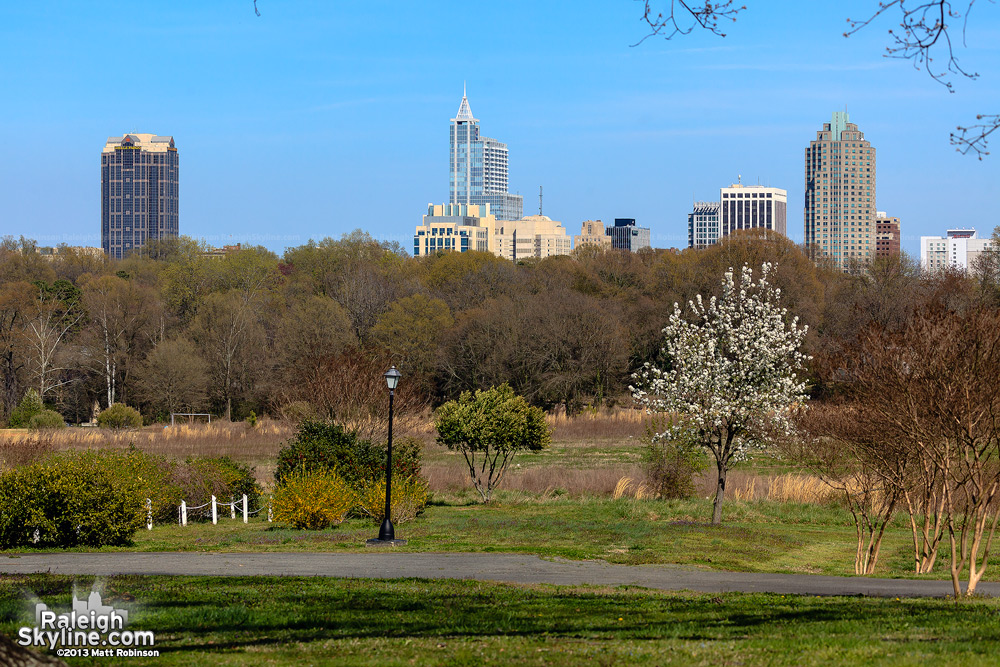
(392, 378)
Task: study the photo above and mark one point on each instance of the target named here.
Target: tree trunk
(720, 492)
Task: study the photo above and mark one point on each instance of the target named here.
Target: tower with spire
(478, 167)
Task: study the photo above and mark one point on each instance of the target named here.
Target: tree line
(172, 328)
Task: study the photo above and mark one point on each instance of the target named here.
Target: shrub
(409, 497)
(327, 446)
(119, 416)
(70, 500)
(313, 500)
(671, 466)
(201, 478)
(494, 424)
(29, 406)
(46, 419)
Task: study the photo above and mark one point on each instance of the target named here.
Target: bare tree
(123, 318)
(56, 312)
(935, 388)
(847, 454)
(15, 302)
(173, 377)
(231, 338)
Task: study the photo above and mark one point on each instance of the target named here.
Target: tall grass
(598, 424)
(233, 439)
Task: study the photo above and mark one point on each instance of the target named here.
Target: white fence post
(245, 508)
(270, 513)
(149, 514)
(232, 508)
(184, 513)
(215, 512)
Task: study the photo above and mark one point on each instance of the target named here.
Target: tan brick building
(840, 193)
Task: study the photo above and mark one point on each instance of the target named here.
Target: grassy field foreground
(757, 536)
(284, 621)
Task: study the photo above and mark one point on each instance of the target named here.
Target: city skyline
(608, 129)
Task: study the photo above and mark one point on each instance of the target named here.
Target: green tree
(411, 329)
(29, 406)
(492, 425)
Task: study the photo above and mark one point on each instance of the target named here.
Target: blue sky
(319, 117)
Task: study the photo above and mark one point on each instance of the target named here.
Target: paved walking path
(512, 568)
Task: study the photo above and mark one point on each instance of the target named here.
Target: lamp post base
(375, 542)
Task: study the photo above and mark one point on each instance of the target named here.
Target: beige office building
(840, 193)
(464, 227)
(592, 233)
(536, 236)
(455, 227)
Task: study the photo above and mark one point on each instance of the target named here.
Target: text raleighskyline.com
(91, 629)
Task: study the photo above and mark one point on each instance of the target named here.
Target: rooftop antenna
(739, 177)
(539, 200)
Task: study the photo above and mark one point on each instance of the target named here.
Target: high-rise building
(703, 224)
(626, 236)
(840, 193)
(958, 249)
(886, 235)
(752, 207)
(139, 186)
(592, 233)
(478, 168)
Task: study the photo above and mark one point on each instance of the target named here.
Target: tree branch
(923, 32)
(706, 16)
(974, 137)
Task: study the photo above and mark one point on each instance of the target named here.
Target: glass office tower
(478, 168)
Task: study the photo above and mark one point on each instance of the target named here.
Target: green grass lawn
(278, 621)
(757, 536)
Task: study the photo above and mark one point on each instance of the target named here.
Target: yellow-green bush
(46, 419)
(313, 500)
(409, 497)
(71, 500)
(119, 416)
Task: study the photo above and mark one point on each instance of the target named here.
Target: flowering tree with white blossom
(731, 378)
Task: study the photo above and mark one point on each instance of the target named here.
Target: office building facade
(625, 235)
(592, 233)
(840, 193)
(139, 192)
(455, 228)
(752, 207)
(957, 249)
(478, 168)
(534, 236)
(886, 235)
(703, 224)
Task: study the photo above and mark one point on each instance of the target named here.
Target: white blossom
(731, 374)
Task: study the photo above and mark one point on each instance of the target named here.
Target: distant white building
(958, 249)
(752, 206)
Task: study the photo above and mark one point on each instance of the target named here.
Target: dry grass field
(596, 453)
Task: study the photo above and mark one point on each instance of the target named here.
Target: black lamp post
(387, 534)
